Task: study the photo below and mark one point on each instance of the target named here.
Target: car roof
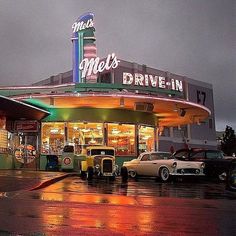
(197, 150)
(155, 152)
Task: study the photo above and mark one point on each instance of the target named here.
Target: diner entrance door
(25, 154)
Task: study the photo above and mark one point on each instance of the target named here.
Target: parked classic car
(231, 176)
(159, 164)
(100, 161)
(216, 164)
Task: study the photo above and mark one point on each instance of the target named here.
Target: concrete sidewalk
(15, 180)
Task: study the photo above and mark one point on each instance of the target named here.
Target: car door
(216, 162)
(146, 167)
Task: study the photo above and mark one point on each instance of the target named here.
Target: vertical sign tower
(83, 40)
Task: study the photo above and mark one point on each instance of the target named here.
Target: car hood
(132, 161)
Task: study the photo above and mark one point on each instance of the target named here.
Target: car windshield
(160, 156)
(155, 156)
(102, 152)
(181, 155)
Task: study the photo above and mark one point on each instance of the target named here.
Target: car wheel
(90, 173)
(124, 174)
(133, 174)
(83, 174)
(222, 176)
(164, 174)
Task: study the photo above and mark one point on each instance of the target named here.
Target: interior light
(99, 127)
(92, 141)
(85, 130)
(54, 130)
(115, 131)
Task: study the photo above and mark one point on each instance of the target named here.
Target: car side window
(154, 157)
(158, 156)
(145, 157)
(214, 155)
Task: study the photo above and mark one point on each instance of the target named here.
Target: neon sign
(94, 65)
(155, 81)
(81, 25)
(83, 40)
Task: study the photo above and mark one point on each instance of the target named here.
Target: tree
(228, 143)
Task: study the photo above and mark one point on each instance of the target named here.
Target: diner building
(129, 106)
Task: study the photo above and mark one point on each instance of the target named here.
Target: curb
(52, 181)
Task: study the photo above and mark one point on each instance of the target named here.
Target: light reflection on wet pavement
(74, 206)
(144, 187)
(143, 192)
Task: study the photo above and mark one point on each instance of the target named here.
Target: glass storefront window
(122, 138)
(82, 134)
(53, 137)
(3, 140)
(146, 139)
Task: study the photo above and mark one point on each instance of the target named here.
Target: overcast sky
(193, 38)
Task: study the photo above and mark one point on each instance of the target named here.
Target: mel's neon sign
(81, 25)
(94, 65)
(148, 80)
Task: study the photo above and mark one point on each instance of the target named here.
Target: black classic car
(216, 164)
(231, 177)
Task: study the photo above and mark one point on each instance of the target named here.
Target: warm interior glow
(164, 108)
(146, 139)
(120, 137)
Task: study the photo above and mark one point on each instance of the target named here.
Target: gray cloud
(187, 37)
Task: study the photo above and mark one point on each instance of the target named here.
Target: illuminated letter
(153, 80)
(179, 85)
(162, 81)
(89, 23)
(75, 27)
(172, 84)
(101, 66)
(89, 66)
(138, 79)
(111, 61)
(146, 81)
(127, 78)
(108, 66)
(115, 61)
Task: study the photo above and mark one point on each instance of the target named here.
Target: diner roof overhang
(14, 110)
(169, 111)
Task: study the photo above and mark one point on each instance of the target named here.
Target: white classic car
(159, 164)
